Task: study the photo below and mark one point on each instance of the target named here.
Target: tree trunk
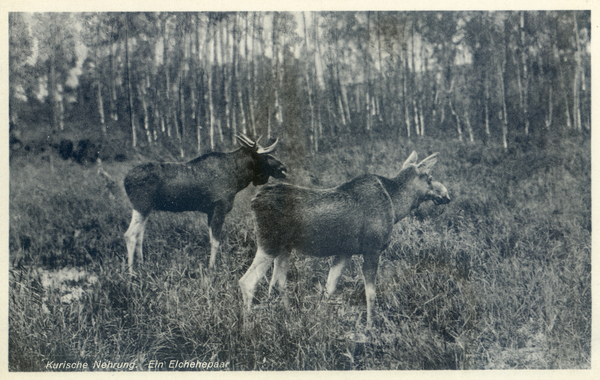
(181, 93)
(309, 90)
(249, 71)
(52, 93)
(234, 78)
(380, 76)
(368, 94)
(321, 77)
(218, 70)
(549, 117)
(341, 93)
(194, 67)
(469, 127)
(421, 117)
(275, 71)
(61, 113)
(458, 126)
(101, 107)
(486, 102)
(166, 102)
(525, 75)
(113, 88)
(566, 98)
(405, 92)
(129, 91)
(504, 111)
(576, 106)
(414, 91)
(202, 93)
(226, 73)
(211, 109)
(238, 83)
(142, 95)
(98, 83)
(319, 82)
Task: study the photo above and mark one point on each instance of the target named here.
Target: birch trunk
(129, 91)
(211, 110)
(486, 104)
(142, 95)
(309, 90)
(505, 113)
(576, 106)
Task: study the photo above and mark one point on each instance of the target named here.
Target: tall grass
(498, 278)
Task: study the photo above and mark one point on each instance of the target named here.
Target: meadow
(499, 278)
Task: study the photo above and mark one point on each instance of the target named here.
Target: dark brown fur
(355, 218)
(208, 184)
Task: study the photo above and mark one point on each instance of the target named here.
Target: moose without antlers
(207, 183)
(351, 219)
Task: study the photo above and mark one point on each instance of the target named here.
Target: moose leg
(140, 239)
(214, 247)
(279, 278)
(215, 225)
(339, 263)
(369, 270)
(134, 236)
(256, 271)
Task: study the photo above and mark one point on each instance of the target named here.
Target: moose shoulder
(208, 184)
(354, 218)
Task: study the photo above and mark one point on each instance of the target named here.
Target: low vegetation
(499, 278)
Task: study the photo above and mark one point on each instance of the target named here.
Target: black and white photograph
(299, 190)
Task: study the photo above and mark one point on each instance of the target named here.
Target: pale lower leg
(280, 269)
(256, 271)
(370, 294)
(132, 236)
(214, 248)
(369, 275)
(339, 263)
(140, 240)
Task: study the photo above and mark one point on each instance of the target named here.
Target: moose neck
(402, 192)
(244, 166)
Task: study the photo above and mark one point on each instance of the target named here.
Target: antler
(268, 149)
(245, 140)
(248, 143)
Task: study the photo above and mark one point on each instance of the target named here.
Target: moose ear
(426, 165)
(411, 160)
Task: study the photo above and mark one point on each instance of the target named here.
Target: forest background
(189, 81)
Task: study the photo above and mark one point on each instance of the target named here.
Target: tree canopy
(195, 79)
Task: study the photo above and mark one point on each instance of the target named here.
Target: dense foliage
(192, 80)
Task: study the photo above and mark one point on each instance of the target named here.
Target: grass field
(499, 278)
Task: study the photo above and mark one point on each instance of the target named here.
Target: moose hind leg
(369, 270)
(339, 263)
(215, 243)
(140, 239)
(257, 270)
(132, 237)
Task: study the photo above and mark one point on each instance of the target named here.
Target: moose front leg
(369, 269)
(215, 226)
(339, 263)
